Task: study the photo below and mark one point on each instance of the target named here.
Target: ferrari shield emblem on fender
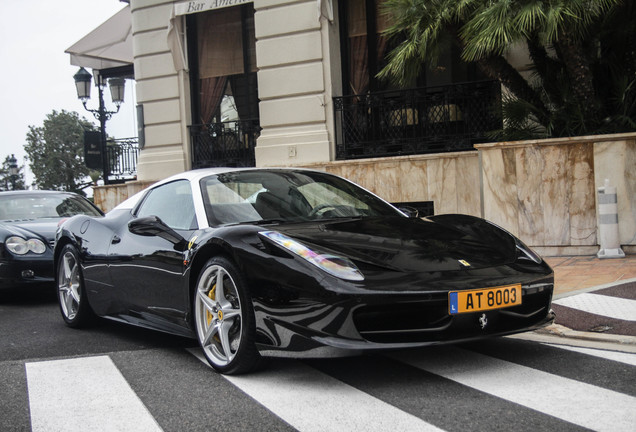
(483, 321)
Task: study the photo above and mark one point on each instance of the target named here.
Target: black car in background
(28, 220)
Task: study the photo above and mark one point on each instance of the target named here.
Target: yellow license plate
(484, 299)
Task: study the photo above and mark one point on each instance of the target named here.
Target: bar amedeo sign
(189, 7)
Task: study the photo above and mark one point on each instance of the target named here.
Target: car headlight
(525, 252)
(20, 246)
(340, 267)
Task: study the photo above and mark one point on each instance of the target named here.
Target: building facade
(293, 83)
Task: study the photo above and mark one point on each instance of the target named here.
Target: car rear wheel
(71, 292)
(224, 318)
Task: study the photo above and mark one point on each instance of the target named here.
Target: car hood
(410, 244)
(42, 227)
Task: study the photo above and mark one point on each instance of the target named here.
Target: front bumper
(26, 271)
(355, 324)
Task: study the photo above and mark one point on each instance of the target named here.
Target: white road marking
(312, 401)
(84, 394)
(573, 401)
(612, 307)
(622, 357)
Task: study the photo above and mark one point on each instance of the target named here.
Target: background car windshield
(286, 195)
(34, 206)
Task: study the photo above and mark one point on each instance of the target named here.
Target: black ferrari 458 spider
(256, 262)
(28, 220)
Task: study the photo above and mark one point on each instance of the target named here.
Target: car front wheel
(71, 292)
(224, 318)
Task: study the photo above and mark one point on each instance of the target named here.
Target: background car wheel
(71, 292)
(224, 318)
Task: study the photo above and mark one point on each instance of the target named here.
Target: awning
(109, 45)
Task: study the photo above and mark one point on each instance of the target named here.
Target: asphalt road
(116, 377)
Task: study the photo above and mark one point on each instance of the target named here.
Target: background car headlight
(340, 267)
(20, 246)
(36, 246)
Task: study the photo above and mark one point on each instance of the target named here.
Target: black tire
(71, 291)
(224, 318)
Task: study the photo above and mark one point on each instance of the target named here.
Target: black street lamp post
(13, 171)
(83, 85)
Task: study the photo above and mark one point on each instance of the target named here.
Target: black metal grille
(123, 154)
(417, 121)
(224, 144)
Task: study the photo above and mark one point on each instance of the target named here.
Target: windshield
(286, 195)
(40, 206)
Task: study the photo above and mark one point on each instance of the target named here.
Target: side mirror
(152, 226)
(410, 211)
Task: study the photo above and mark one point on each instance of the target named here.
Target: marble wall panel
(442, 184)
(556, 199)
(500, 188)
(582, 201)
(387, 181)
(450, 181)
(468, 192)
(616, 161)
(529, 166)
(339, 170)
(362, 174)
(413, 180)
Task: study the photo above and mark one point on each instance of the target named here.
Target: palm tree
(574, 47)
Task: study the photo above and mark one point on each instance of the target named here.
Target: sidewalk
(595, 299)
(583, 272)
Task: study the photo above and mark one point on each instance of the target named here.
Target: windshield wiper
(267, 221)
(333, 218)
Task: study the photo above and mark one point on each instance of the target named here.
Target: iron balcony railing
(416, 121)
(123, 154)
(228, 143)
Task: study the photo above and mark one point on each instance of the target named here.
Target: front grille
(401, 322)
(429, 321)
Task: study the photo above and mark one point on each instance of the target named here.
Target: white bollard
(608, 223)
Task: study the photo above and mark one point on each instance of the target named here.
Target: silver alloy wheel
(69, 285)
(218, 315)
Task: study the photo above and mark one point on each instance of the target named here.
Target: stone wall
(107, 197)
(543, 191)
(450, 180)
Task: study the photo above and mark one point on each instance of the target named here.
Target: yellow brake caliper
(211, 294)
(209, 317)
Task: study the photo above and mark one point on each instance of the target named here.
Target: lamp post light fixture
(83, 85)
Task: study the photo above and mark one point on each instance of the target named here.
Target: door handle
(115, 240)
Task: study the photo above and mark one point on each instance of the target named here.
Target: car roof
(197, 174)
(36, 192)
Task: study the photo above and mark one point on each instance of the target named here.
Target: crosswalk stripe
(595, 408)
(622, 357)
(84, 394)
(312, 401)
(612, 307)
